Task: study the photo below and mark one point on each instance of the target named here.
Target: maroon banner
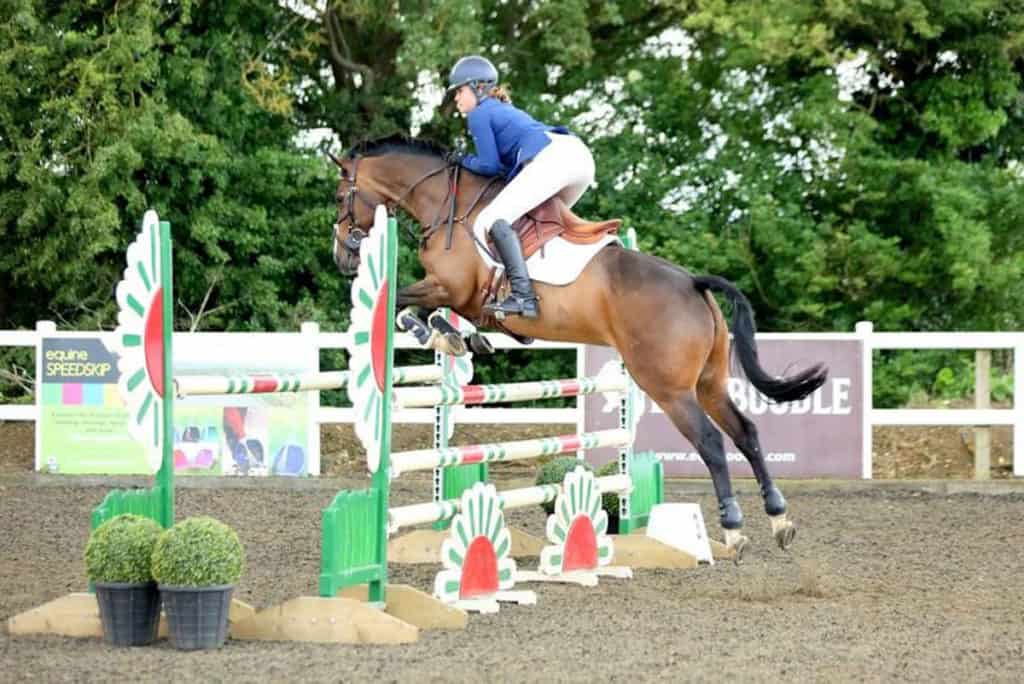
(820, 436)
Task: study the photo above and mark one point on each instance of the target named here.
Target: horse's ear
(335, 160)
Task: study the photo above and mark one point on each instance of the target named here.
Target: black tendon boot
(523, 300)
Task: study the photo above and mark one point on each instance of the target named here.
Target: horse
(664, 321)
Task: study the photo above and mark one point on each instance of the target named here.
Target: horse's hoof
(406, 319)
(480, 344)
(446, 343)
(785, 537)
(784, 531)
(738, 550)
(454, 344)
(736, 542)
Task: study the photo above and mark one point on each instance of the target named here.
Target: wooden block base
(325, 620)
(78, 615)
(720, 551)
(349, 619)
(413, 606)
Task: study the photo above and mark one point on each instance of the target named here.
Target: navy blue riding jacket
(505, 138)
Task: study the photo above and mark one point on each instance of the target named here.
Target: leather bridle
(357, 233)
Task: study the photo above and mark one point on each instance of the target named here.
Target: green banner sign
(82, 420)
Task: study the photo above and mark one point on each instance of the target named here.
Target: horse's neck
(476, 192)
(430, 202)
(461, 269)
(402, 181)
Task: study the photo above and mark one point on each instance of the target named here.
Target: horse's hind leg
(689, 418)
(741, 429)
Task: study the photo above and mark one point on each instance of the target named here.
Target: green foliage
(1002, 387)
(108, 110)
(198, 552)
(17, 384)
(610, 502)
(907, 377)
(839, 161)
(120, 550)
(554, 472)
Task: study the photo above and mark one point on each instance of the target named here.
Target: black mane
(399, 144)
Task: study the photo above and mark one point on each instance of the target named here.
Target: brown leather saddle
(554, 218)
(550, 219)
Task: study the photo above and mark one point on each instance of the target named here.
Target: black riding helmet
(477, 72)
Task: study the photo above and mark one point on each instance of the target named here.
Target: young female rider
(539, 162)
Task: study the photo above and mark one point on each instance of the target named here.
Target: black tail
(743, 329)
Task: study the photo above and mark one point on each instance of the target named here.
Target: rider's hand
(453, 157)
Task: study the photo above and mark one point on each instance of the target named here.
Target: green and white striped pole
(270, 382)
(424, 459)
(468, 395)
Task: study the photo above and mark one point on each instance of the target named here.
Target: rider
(539, 161)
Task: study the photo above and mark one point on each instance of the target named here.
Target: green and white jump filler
(143, 344)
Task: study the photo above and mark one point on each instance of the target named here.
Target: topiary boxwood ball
(120, 549)
(198, 552)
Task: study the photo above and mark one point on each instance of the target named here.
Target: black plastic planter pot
(197, 617)
(130, 612)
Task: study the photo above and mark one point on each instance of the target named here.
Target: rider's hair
(500, 92)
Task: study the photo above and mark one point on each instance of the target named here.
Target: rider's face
(465, 99)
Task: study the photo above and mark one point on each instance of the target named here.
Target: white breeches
(564, 168)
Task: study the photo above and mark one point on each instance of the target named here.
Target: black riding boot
(523, 300)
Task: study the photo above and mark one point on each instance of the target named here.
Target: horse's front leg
(410, 320)
(427, 293)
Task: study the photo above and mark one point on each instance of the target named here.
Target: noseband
(356, 233)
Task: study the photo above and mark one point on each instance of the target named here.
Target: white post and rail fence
(827, 435)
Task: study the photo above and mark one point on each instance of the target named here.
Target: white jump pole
(423, 459)
(268, 383)
(423, 397)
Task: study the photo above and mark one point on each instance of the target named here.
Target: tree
(840, 161)
(108, 110)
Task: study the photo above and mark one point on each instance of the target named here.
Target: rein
(452, 218)
(357, 233)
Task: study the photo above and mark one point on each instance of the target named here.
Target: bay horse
(662, 320)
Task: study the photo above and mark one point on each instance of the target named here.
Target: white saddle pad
(559, 262)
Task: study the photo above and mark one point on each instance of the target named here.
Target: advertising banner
(820, 436)
(246, 434)
(82, 426)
